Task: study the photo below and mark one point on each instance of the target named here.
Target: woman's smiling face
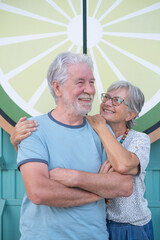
(116, 114)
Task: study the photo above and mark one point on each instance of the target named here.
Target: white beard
(77, 108)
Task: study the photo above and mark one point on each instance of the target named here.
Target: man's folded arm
(109, 185)
(42, 190)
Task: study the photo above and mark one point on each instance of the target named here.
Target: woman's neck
(118, 129)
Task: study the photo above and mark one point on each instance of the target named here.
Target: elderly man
(64, 139)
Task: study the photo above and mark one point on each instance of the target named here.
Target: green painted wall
(12, 189)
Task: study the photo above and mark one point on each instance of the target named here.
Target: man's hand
(106, 168)
(22, 130)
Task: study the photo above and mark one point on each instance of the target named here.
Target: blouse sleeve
(140, 145)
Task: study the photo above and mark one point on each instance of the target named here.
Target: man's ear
(57, 88)
(131, 115)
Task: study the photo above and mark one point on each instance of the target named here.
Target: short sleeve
(140, 145)
(32, 149)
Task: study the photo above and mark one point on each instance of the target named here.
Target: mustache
(86, 96)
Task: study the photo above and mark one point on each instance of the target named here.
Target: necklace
(124, 136)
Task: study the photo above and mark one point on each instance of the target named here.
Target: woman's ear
(131, 115)
(57, 88)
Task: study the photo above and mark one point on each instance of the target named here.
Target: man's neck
(66, 117)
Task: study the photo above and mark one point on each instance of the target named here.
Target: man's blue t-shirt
(65, 146)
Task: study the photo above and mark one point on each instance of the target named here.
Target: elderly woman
(127, 217)
(128, 153)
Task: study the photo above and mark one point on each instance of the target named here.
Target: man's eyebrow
(82, 79)
(77, 79)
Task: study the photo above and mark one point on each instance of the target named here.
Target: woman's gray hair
(135, 98)
(58, 70)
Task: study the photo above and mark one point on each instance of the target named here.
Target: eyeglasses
(116, 101)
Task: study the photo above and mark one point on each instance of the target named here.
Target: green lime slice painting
(123, 39)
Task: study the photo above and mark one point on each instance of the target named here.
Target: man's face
(79, 90)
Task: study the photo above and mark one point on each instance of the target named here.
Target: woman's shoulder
(139, 135)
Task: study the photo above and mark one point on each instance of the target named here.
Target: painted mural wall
(123, 39)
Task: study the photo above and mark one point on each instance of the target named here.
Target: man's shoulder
(43, 123)
(42, 120)
(39, 117)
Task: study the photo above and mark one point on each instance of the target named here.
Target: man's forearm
(108, 185)
(42, 190)
(61, 196)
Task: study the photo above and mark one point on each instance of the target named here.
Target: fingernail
(36, 123)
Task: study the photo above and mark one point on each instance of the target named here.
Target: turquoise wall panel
(10, 230)
(153, 186)
(12, 189)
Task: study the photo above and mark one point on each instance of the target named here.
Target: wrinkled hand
(97, 122)
(22, 130)
(106, 168)
(63, 176)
